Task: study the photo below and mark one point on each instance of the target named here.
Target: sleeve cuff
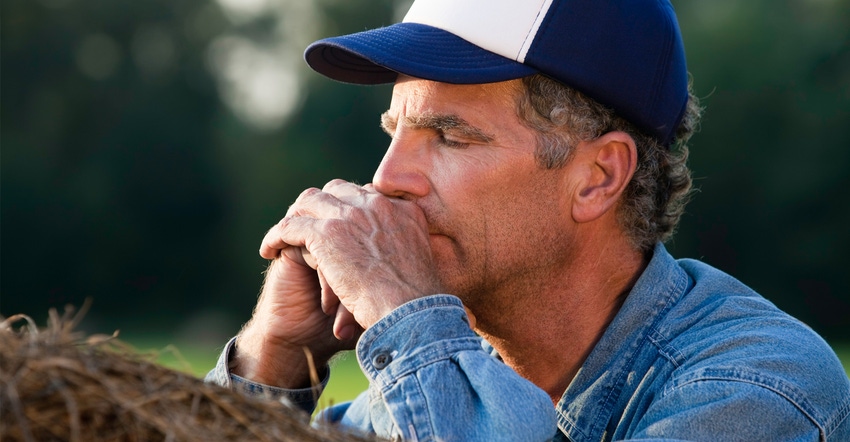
(418, 333)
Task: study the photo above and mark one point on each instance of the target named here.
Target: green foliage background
(128, 177)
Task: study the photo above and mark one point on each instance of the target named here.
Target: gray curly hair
(655, 198)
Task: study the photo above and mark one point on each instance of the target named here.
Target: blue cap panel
(632, 61)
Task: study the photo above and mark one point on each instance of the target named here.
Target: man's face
(499, 223)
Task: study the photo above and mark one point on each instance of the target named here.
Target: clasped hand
(343, 258)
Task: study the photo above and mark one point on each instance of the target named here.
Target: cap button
(381, 360)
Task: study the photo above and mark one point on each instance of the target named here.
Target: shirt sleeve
(430, 379)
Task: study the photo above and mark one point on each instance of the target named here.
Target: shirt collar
(588, 403)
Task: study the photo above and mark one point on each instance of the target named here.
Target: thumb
(300, 255)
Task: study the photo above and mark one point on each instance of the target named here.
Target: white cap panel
(473, 20)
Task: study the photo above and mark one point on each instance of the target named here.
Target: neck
(546, 330)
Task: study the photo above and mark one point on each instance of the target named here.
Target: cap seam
(526, 45)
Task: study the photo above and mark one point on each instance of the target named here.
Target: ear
(612, 159)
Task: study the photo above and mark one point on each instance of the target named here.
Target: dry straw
(56, 384)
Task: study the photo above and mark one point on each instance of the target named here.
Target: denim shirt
(692, 354)
(430, 379)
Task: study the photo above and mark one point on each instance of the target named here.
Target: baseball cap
(626, 54)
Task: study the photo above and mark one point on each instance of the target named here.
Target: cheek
(485, 194)
(523, 216)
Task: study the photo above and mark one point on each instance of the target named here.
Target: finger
(302, 232)
(345, 326)
(299, 255)
(312, 203)
(329, 299)
(315, 203)
(295, 209)
(272, 244)
(274, 241)
(308, 258)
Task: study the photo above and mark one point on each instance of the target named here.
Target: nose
(404, 170)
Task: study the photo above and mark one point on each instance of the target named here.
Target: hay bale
(56, 384)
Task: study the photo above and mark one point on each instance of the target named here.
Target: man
(537, 164)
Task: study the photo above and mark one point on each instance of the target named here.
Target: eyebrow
(444, 123)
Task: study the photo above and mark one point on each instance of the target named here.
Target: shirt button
(381, 360)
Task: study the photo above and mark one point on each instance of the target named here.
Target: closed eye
(448, 142)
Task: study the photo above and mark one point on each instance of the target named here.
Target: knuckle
(283, 223)
(332, 228)
(333, 183)
(308, 193)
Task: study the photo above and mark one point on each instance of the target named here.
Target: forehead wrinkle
(448, 123)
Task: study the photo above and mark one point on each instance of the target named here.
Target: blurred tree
(146, 148)
(771, 158)
(108, 190)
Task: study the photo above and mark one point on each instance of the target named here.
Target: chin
(452, 271)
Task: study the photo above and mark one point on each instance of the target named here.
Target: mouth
(434, 235)
(433, 231)
(440, 239)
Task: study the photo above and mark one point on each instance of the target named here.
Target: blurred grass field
(347, 381)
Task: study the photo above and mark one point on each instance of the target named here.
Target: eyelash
(442, 140)
(451, 143)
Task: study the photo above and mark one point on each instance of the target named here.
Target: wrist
(258, 360)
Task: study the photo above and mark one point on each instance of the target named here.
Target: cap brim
(379, 55)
